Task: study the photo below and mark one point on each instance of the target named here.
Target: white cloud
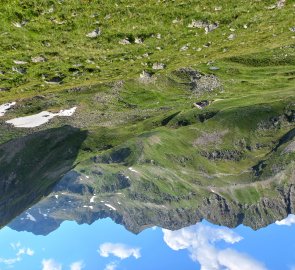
(30, 252)
(50, 264)
(25, 251)
(77, 265)
(15, 245)
(200, 241)
(19, 253)
(10, 261)
(111, 266)
(288, 221)
(119, 250)
(234, 260)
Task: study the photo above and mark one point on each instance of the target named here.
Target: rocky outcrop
(198, 82)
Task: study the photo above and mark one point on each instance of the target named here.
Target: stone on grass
(19, 70)
(231, 37)
(145, 77)
(184, 48)
(38, 59)
(19, 62)
(197, 24)
(95, 33)
(158, 66)
(19, 24)
(138, 40)
(124, 41)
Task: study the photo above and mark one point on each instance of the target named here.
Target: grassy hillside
(56, 31)
(236, 57)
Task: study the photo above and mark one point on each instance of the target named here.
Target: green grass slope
(239, 147)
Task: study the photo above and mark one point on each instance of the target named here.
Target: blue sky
(105, 245)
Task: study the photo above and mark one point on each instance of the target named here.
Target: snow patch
(110, 206)
(132, 170)
(39, 119)
(30, 217)
(92, 199)
(5, 107)
(88, 206)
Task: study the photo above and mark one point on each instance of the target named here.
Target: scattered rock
(146, 77)
(210, 138)
(230, 155)
(89, 61)
(124, 41)
(19, 24)
(38, 59)
(176, 21)
(292, 29)
(210, 27)
(138, 40)
(201, 104)
(231, 37)
(158, 36)
(46, 43)
(245, 26)
(4, 89)
(50, 10)
(95, 15)
(18, 62)
(290, 148)
(184, 48)
(54, 80)
(58, 22)
(281, 4)
(19, 70)
(214, 68)
(158, 66)
(95, 33)
(199, 83)
(272, 7)
(196, 24)
(218, 8)
(207, 45)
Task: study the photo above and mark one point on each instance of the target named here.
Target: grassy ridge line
(65, 29)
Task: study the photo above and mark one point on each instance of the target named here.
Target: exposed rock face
(75, 198)
(223, 155)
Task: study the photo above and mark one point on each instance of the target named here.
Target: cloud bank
(288, 221)
(200, 241)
